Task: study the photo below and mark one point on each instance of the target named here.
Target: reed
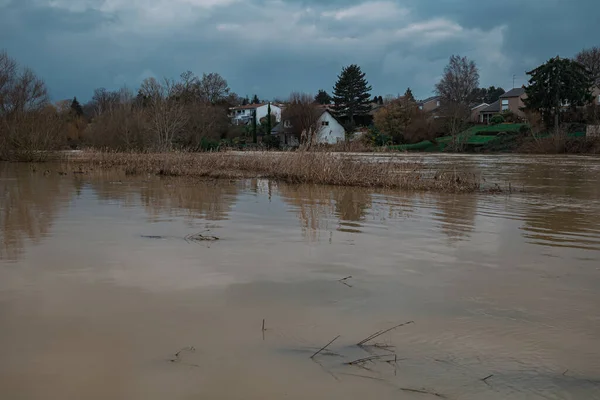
(393, 172)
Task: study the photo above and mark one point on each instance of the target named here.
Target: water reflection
(313, 205)
(193, 199)
(29, 203)
(456, 214)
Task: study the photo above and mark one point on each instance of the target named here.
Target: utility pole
(514, 76)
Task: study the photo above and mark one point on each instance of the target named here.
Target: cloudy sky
(273, 47)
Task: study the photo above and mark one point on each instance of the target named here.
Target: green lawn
(478, 135)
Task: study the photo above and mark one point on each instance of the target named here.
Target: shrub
(509, 116)
(497, 119)
(524, 130)
(271, 142)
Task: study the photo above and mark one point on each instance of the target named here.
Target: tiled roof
(249, 106)
(516, 92)
(494, 107)
(427, 100)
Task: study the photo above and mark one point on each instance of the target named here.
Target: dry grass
(292, 167)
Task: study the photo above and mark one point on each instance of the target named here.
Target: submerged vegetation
(293, 167)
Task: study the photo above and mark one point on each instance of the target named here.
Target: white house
(329, 131)
(243, 114)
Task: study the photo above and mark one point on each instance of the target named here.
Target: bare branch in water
(324, 347)
(379, 333)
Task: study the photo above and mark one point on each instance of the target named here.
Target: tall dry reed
(293, 167)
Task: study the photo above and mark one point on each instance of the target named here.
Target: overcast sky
(273, 47)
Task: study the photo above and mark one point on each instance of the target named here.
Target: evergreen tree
(254, 138)
(408, 96)
(380, 101)
(76, 107)
(322, 97)
(269, 127)
(558, 83)
(375, 100)
(245, 101)
(255, 100)
(351, 93)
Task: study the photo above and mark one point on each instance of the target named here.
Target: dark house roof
(494, 107)
(427, 100)
(516, 92)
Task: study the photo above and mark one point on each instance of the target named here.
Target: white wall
(332, 131)
(261, 112)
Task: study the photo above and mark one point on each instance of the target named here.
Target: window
(324, 123)
(599, 99)
(420, 107)
(437, 103)
(287, 124)
(504, 105)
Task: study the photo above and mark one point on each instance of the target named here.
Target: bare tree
(457, 89)
(8, 73)
(213, 88)
(29, 126)
(590, 58)
(300, 118)
(166, 115)
(461, 78)
(104, 101)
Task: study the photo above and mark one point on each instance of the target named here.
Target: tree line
(192, 112)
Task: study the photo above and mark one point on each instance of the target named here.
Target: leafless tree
(461, 78)
(590, 58)
(20, 91)
(166, 115)
(8, 73)
(213, 88)
(456, 89)
(301, 117)
(29, 125)
(104, 101)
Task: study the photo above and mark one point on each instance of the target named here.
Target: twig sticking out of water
(324, 347)
(343, 280)
(486, 378)
(565, 373)
(379, 333)
(199, 237)
(364, 360)
(191, 349)
(423, 391)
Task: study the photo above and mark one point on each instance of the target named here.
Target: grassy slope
(480, 135)
(476, 137)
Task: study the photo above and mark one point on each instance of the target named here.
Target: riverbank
(393, 172)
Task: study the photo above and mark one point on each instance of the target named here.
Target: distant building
(242, 115)
(329, 130)
(512, 101)
(430, 104)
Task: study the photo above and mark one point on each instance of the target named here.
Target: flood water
(102, 296)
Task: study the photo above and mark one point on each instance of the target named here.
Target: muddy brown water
(101, 296)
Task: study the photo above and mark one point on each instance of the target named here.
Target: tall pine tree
(322, 97)
(408, 96)
(269, 127)
(558, 83)
(255, 100)
(351, 93)
(76, 107)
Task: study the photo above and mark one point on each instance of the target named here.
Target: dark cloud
(272, 47)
